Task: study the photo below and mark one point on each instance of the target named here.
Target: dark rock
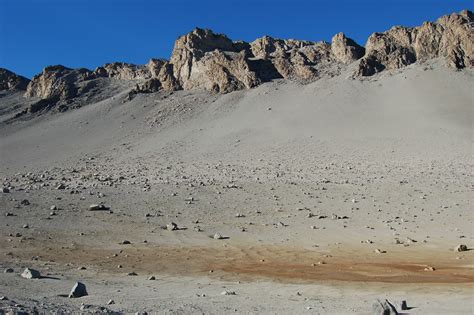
(78, 290)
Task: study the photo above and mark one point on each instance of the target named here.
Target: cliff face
(451, 38)
(203, 59)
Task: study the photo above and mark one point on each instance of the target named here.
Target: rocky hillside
(10, 81)
(205, 60)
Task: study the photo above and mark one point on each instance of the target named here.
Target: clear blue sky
(89, 33)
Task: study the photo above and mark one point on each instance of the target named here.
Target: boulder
(122, 71)
(78, 290)
(10, 81)
(31, 274)
(383, 308)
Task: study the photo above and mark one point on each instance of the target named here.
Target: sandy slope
(322, 175)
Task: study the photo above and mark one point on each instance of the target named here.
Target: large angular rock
(10, 81)
(78, 290)
(30, 274)
(346, 50)
(383, 308)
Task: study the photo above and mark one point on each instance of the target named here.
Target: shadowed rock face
(451, 37)
(203, 59)
(10, 81)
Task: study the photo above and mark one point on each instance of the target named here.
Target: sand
(328, 196)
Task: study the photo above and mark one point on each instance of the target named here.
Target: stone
(152, 278)
(218, 236)
(403, 305)
(25, 202)
(226, 292)
(31, 274)
(5, 190)
(110, 302)
(8, 270)
(78, 290)
(171, 226)
(383, 308)
(460, 248)
(95, 207)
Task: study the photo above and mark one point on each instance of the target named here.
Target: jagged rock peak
(190, 48)
(10, 81)
(267, 46)
(345, 49)
(450, 37)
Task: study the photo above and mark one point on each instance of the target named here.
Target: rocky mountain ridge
(203, 59)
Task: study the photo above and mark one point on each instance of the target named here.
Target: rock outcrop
(162, 70)
(10, 81)
(203, 59)
(451, 37)
(267, 47)
(57, 82)
(346, 50)
(122, 71)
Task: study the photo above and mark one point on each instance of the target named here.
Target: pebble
(228, 293)
(9, 270)
(151, 278)
(95, 207)
(5, 190)
(110, 302)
